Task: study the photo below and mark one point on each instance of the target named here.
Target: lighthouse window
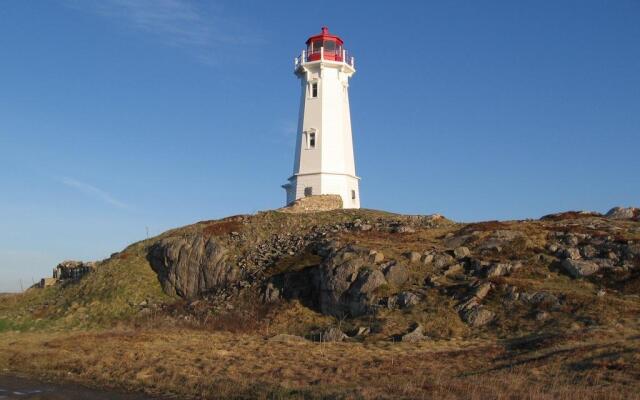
(330, 46)
(353, 195)
(308, 191)
(312, 140)
(314, 89)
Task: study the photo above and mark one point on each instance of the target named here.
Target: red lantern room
(325, 46)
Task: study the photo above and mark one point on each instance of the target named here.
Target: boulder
(72, 270)
(360, 332)
(407, 299)
(571, 253)
(416, 334)
(498, 269)
(403, 229)
(368, 281)
(588, 251)
(396, 275)
(443, 260)
(427, 258)
(482, 291)
(413, 256)
(580, 268)
(454, 269)
(461, 252)
(271, 293)
(538, 298)
(332, 334)
(361, 296)
(631, 251)
(477, 316)
(376, 257)
(345, 283)
(623, 213)
(192, 265)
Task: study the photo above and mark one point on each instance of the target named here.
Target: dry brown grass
(197, 364)
(223, 227)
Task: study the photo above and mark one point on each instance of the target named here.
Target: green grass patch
(4, 325)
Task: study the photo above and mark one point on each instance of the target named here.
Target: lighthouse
(324, 162)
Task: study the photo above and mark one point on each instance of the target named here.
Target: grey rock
(467, 304)
(362, 331)
(580, 268)
(482, 290)
(571, 253)
(588, 251)
(603, 263)
(427, 258)
(396, 275)
(376, 257)
(413, 256)
(415, 335)
(333, 334)
(622, 212)
(271, 294)
(407, 299)
(360, 295)
(403, 229)
(190, 266)
(461, 252)
(538, 298)
(498, 269)
(631, 251)
(454, 269)
(571, 239)
(442, 260)
(477, 316)
(368, 281)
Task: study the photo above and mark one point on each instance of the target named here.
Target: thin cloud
(92, 191)
(176, 23)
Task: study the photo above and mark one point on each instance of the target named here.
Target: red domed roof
(325, 35)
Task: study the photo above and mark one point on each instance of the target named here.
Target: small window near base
(308, 191)
(353, 195)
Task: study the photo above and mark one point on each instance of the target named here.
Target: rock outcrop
(623, 213)
(192, 266)
(347, 282)
(72, 270)
(353, 267)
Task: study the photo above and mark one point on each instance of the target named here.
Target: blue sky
(120, 115)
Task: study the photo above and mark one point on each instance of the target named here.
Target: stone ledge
(324, 202)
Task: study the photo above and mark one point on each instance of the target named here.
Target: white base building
(324, 161)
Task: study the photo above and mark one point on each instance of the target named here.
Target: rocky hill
(362, 276)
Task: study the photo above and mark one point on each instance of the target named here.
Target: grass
(108, 295)
(4, 325)
(198, 364)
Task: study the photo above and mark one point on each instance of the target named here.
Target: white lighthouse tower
(324, 162)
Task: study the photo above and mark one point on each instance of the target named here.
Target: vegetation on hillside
(429, 308)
